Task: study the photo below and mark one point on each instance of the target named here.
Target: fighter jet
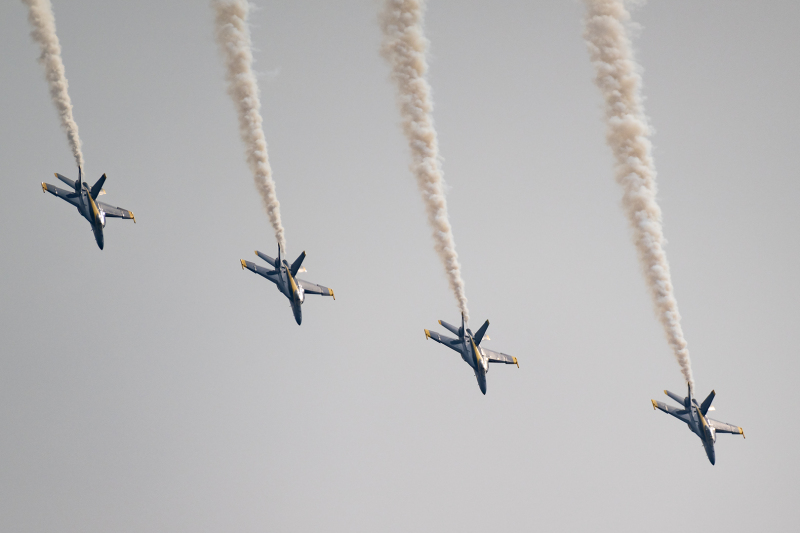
(694, 415)
(84, 198)
(469, 346)
(283, 275)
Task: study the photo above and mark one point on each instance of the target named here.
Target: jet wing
(271, 275)
(680, 414)
(442, 339)
(495, 357)
(117, 212)
(722, 427)
(311, 288)
(69, 196)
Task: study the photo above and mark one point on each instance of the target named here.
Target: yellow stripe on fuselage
(703, 422)
(477, 352)
(291, 282)
(95, 211)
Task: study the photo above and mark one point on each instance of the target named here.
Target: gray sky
(154, 386)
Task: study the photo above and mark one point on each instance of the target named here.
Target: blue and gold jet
(84, 198)
(694, 416)
(469, 346)
(283, 275)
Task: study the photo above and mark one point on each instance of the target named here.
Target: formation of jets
(467, 344)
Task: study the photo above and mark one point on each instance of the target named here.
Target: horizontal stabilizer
(66, 180)
(451, 328)
(266, 258)
(680, 399)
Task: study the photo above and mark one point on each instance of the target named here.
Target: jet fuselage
(90, 212)
(289, 287)
(699, 426)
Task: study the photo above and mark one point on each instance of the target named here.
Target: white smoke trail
(628, 136)
(233, 37)
(40, 15)
(405, 48)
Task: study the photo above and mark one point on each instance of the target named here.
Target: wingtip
(427, 334)
(440, 322)
(244, 265)
(331, 291)
(516, 362)
(256, 252)
(655, 405)
(44, 187)
(742, 432)
(132, 215)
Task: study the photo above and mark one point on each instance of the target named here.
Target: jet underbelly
(480, 374)
(467, 356)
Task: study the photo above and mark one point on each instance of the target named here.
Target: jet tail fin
(298, 263)
(97, 188)
(481, 332)
(707, 403)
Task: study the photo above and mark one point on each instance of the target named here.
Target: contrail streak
(405, 48)
(233, 37)
(40, 15)
(628, 136)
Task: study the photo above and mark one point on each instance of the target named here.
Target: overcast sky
(155, 386)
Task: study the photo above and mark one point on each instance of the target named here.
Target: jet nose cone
(711, 456)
